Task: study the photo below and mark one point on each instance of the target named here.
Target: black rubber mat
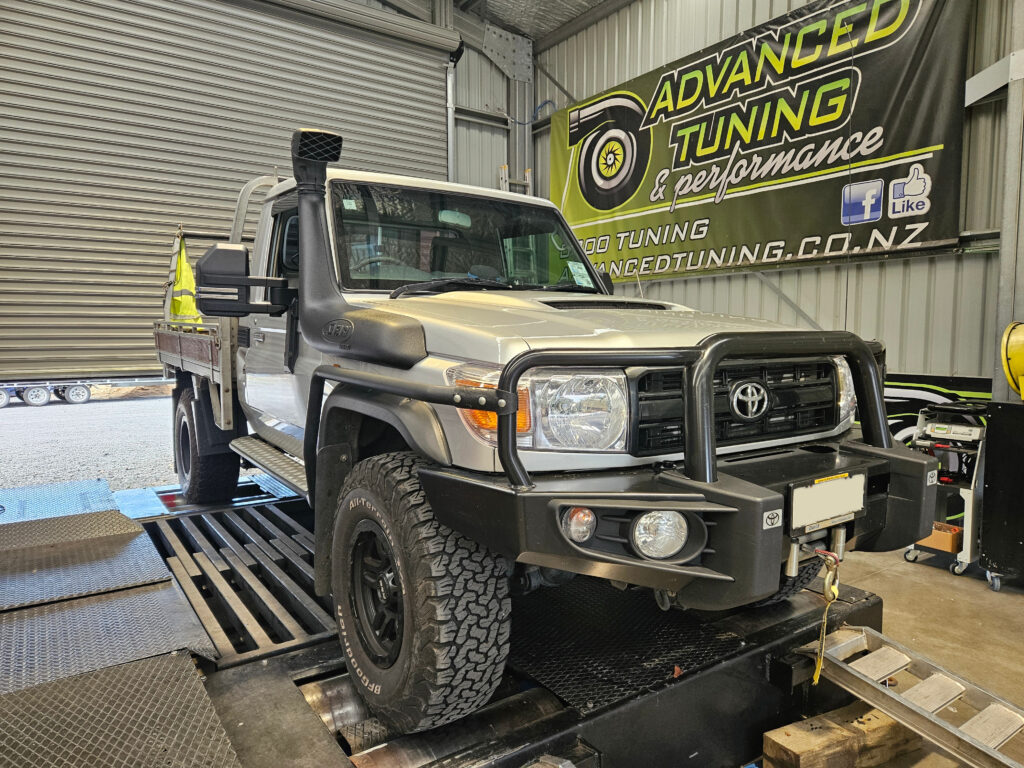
(593, 645)
(152, 712)
(35, 575)
(48, 642)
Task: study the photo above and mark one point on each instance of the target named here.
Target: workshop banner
(832, 132)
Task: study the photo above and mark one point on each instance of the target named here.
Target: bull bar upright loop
(700, 362)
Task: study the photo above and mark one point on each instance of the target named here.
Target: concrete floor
(127, 442)
(956, 621)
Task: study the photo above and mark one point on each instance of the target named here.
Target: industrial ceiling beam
(581, 22)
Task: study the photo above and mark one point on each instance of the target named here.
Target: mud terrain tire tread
(458, 593)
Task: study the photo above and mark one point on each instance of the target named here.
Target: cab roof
(364, 177)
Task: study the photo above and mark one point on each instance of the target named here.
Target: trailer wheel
(5, 398)
(36, 396)
(423, 613)
(203, 479)
(77, 394)
(790, 585)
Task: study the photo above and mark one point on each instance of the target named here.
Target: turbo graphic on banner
(833, 131)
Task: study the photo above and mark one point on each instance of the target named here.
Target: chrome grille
(802, 401)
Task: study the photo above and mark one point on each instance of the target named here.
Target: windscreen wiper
(444, 282)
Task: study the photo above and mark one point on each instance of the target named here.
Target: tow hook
(663, 598)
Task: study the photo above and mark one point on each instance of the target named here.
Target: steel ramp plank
(882, 664)
(273, 533)
(309, 608)
(233, 603)
(975, 743)
(243, 529)
(177, 548)
(225, 539)
(934, 693)
(200, 542)
(994, 725)
(268, 606)
(195, 599)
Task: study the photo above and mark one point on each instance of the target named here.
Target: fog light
(660, 534)
(579, 524)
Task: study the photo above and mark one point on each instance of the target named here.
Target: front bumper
(741, 524)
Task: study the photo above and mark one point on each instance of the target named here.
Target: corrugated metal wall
(936, 314)
(481, 144)
(122, 118)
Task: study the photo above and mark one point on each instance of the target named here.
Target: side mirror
(223, 283)
(606, 281)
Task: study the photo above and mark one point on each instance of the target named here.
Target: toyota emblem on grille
(749, 400)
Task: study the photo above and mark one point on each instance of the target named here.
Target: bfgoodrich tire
(203, 479)
(423, 613)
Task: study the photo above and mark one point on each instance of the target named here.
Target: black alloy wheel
(377, 598)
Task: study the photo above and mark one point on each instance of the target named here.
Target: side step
(273, 461)
(919, 706)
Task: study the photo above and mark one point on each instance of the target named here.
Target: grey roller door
(121, 119)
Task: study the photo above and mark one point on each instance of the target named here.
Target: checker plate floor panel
(49, 642)
(562, 638)
(41, 532)
(32, 502)
(35, 575)
(152, 712)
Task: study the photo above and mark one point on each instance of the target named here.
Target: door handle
(258, 336)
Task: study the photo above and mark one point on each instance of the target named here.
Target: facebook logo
(862, 202)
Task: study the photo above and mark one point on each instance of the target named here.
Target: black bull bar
(699, 363)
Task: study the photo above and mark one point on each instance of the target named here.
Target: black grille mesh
(803, 401)
(319, 145)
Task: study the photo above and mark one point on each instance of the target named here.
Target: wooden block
(814, 743)
(877, 736)
(855, 736)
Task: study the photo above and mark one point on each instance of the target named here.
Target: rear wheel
(77, 394)
(423, 613)
(203, 479)
(36, 396)
(4, 398)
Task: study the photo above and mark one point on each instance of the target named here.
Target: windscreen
(390, 236)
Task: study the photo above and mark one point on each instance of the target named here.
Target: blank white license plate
(828, 501)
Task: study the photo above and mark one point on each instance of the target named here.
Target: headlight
(847, 394)
(580, 410)
(660, 534)
(559, 409)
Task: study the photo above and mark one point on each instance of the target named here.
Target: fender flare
(414, 420)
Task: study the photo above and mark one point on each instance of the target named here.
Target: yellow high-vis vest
(183, 290)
